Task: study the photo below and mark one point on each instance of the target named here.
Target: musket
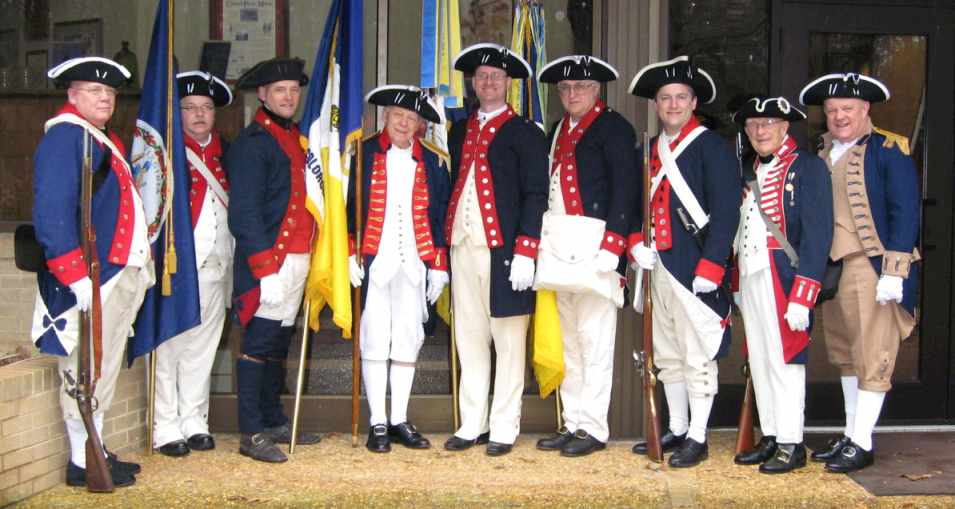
(98, 478)
(356, 301)
(744, 435)
(644, 360)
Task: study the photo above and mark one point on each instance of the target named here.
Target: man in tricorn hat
(184, 363)
(405, 188)
(593, 171)
(695, 211)
(126, 271)
(499, 175)
(781, 249)
(273, 235)
(875, 196)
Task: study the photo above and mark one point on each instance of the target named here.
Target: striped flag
(529, 97)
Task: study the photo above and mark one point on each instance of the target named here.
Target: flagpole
(300, 382)
(356, 295)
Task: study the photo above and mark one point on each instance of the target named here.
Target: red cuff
(734, 280)
(804, 291)
(526, 246)
(68, 268)
(263, 264)
(633, 240)
(710, 270)
(440, 261)
(614, 243)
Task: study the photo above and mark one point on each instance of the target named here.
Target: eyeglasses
(577, 88)
(195, 108)
(486, 76)
(98, 91)
(755, 125)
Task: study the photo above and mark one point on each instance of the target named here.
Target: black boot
(851, 458)
(556, 442)
(378, 439)
(76, 476)
(669, 441)
(690, 454)
(831, 451)
(583, 444)
(259, 446)
(407, 435)
(788, 457)
(762, 452)
(249, 380)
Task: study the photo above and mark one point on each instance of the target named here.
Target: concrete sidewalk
(333, 474)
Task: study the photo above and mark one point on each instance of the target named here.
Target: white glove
(522, 273)
(83, 290)
(703, 285)
(797, 316)
(437, 279)
(737, 299)
(889, 288)
(605, 261)
(645, 257)
(355, 271)
(271, 290)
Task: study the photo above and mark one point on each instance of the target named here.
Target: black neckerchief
(284, 123)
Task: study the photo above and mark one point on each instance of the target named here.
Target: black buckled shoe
(201, 442)
(407, 435)
(851, 458)
(831, 451)
(126, 466)
(498, 449)
(788, 457)
(556, 442)
(283, 435)
(378, 439)
(764, 450)
(175, 449)
(456, 443)
(582, 444)
(76, 476)
(261, 447)
(690, 454)
(669, 441)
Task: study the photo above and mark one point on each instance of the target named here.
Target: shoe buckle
(849, 451)
(581, 434)
(563, 430)
(379, 430)
(784, 455)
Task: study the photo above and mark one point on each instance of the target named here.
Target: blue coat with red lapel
(518, 164)
(711, 172)
(438, 189)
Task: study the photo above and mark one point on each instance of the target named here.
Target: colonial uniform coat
(273, 232)
(691, 330)
(122, 247)
(593, 173)
(184, 363)
(796, 195)
(499, 175)
(876, 207)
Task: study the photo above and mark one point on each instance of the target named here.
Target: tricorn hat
(404, 96)
(494, 55)
(768, 107)
(844, 85)
(95, 69)
(272, 70)
(204, 84)
(678, 70)
(577, 67)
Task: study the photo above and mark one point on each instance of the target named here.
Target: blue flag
(159, 166)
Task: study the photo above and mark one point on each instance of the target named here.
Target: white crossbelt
(206, 173)
(677, 183)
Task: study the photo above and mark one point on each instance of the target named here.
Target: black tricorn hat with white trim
(204, 84)
(404, 96)
(844, 85)
(577, 67)
(494, 55)
(95, 69)
(768, 107)
(678, 70)
(272, 70)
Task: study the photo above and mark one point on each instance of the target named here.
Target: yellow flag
(548, 344)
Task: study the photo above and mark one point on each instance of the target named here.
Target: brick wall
(17, 293)
(34, 448)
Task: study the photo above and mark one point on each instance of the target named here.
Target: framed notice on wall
(256, 29)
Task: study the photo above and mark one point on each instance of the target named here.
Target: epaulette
(893, 139)
(442, 155)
